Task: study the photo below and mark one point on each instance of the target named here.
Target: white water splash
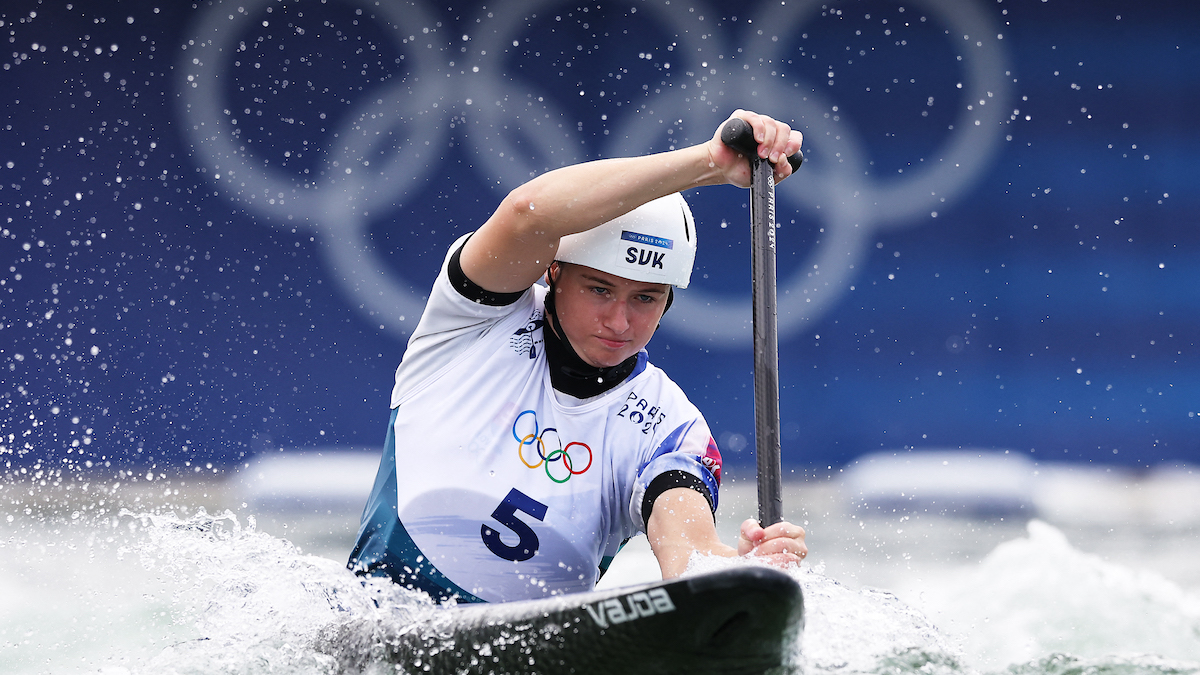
(1036, 596)
(140, 594)
(855, 631)
(259, 605)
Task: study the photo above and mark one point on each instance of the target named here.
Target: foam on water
(262, 606)
(153, 592)
(856, 631)
(1039, 595)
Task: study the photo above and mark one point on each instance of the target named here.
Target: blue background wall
(219, 221)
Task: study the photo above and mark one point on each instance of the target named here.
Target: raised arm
(516, 244)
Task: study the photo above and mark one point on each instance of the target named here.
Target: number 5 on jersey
(506, 513)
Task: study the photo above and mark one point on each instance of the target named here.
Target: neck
(569, 373)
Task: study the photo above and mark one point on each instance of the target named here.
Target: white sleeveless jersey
(510, 492)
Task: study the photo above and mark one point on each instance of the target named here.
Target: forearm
(579, 197)
(680, 524)
(521, 238)
(516, 244)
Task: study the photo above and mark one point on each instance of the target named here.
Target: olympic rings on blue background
(385, 143)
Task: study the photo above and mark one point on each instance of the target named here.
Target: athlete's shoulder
(651, 377)
(453, 328)
(455, 306)
(653, 404)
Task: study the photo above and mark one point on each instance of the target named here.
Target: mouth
(612, 344)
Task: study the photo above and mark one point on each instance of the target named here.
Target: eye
(646, 299)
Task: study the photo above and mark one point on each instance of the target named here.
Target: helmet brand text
(646, 239)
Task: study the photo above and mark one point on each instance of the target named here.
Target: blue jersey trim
(642, 360)
(384, 547)
(686, 462)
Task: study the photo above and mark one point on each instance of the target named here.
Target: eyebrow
(606, 282)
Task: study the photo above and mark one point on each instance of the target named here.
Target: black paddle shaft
(738, 135)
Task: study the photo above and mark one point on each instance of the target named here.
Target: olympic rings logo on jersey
(543, 448)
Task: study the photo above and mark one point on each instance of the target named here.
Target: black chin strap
(569, 373)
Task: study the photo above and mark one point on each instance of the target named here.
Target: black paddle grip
(738, 135)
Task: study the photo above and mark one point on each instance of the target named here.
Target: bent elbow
(524, 218)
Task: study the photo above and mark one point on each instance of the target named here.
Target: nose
(616, 316)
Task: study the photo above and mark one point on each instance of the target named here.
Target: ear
(552, 273)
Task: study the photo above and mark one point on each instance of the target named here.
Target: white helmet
(656, 242)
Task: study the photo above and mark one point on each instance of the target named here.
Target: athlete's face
(606, 318)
